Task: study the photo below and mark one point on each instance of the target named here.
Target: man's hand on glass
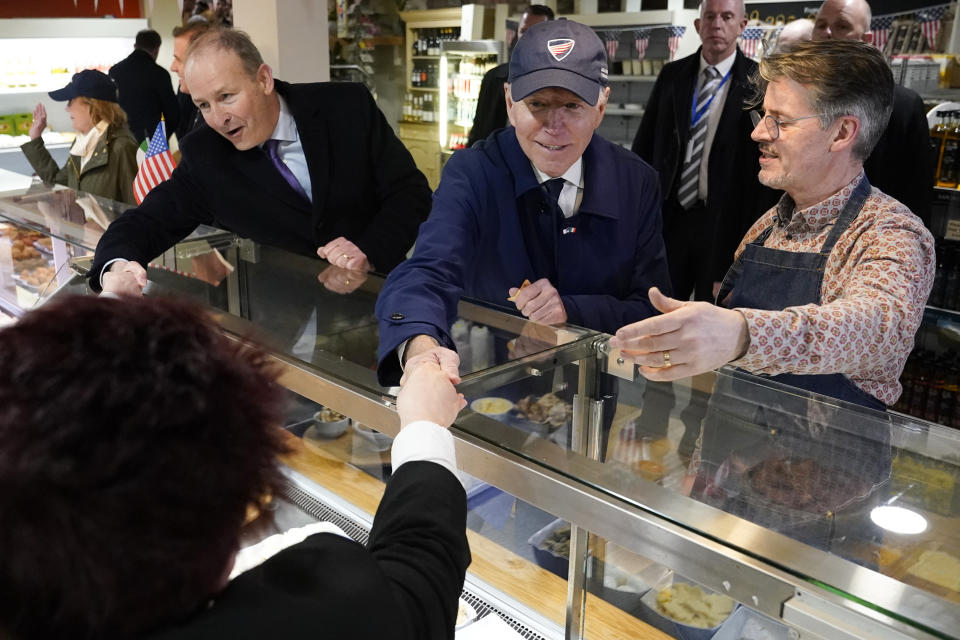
(539, 301)
(342, 253)
(424, 349)
(124, 278)
(688, 339)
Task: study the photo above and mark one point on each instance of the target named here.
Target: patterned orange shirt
(875, 286)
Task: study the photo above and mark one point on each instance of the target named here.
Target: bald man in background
(901, 164)
(799, 30)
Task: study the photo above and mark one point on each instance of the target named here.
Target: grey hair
(844, 78)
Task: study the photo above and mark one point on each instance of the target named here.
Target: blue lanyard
(695, 115)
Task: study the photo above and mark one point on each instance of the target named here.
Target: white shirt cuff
(402, 349)
(106, 268)
(424, 441)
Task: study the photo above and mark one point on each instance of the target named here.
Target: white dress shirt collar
(286, 129)
(723, 66)
(572, 192)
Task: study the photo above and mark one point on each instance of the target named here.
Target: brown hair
(112, 112)
(233, 40)
(127, 463)
(844, 78)
(193, 28)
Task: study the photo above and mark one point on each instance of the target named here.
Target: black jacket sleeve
(419, 540)
(169, 213)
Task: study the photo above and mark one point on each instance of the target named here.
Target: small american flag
(613, 43)
(157, 166)
(929, 19)
(642, 39)
(674, 33)
(880, 26)
(749, 40)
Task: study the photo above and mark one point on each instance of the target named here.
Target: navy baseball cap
(88, 83)
(559, 53)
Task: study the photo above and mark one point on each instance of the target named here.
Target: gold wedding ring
(346, 282)
(666, 360)
(344, 257)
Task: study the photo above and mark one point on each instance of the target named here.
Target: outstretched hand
(423, 349)
(426, 393)
(125, 278)
(688, 339)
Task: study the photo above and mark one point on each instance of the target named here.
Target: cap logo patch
(560, 48)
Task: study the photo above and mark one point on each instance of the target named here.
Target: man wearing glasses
(828, 288)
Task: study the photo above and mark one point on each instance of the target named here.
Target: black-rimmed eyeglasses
(773, 125)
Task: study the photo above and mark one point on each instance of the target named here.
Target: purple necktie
(270, 146)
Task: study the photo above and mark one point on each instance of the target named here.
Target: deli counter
(600, 506)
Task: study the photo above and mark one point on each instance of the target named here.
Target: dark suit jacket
(902, 165)
(144, 91)
(491, 106)
(404, 585)
(190, 117)
(735, 199)
(365, 187)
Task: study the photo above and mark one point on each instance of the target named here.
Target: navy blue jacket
(473, 245)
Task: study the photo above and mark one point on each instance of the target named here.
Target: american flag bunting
(612, 45)
(157, 166)
(880, 26)
(749, 40)
(641, 40)
(673, 43)
(930, 18)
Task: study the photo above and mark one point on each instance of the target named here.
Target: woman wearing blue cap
(103, 159)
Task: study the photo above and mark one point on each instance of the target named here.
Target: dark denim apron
(772, 279)
(749, 425)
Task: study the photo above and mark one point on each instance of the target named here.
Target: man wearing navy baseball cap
(544, 201)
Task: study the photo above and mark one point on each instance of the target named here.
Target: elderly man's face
(554, 127)
(796, 160)
(720, 24)
(241, 108)
(842, 20)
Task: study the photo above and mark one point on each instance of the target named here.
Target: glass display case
(462, 67)
(43, 228)
(600, 505)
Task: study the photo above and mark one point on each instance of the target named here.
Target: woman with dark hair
(103, 159)
(133, 438)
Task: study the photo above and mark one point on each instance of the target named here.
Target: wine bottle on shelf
(949, 150)
(936, 142)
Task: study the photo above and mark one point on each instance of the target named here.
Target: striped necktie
(688, 194)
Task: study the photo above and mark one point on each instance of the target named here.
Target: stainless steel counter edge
(651, 531)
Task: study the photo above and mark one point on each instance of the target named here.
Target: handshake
(427, 394)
